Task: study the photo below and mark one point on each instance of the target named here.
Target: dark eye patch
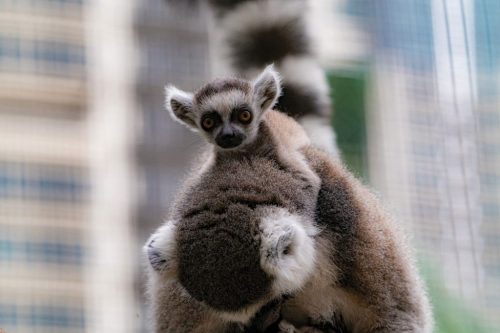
(214, 116)
(238, 111)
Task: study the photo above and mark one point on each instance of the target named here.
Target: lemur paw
(159, 249)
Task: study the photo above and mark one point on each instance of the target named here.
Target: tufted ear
(160, 249)
(287, 249)
(267, 88)
(180, 105)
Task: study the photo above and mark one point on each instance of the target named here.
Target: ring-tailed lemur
(256, 240)
(246, 35)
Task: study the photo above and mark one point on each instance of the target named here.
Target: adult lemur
(273, 234)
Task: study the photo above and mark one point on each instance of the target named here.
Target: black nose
(229, 140)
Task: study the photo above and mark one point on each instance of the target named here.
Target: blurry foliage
(348, 100)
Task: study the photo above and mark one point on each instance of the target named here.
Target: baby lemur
(272, 234)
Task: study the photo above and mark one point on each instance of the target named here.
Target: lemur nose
(229, 138)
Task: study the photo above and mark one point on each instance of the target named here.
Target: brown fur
(365, 274)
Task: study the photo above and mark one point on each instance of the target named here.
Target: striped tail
(247, 35)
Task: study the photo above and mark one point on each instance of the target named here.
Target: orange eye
(207, 123)
(245, 116)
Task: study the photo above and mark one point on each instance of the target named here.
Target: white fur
(280, 229)
(321, 133)
(268, 77)
(226, 100)
(163, 241)
(183, 97)
(305, 72)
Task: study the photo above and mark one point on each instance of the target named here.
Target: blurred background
(90, 161)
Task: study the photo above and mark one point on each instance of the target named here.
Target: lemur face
(226, 112)
(228, 126)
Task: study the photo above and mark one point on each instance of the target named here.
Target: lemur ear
(267, 88)
(180, 105)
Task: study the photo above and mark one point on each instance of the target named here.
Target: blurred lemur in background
(247, 35)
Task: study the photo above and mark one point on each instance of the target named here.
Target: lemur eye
(245, 116)
(207, 123)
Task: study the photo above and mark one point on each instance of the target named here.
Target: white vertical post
(388, 136)
(111, 78)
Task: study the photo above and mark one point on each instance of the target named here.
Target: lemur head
(226, 112)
